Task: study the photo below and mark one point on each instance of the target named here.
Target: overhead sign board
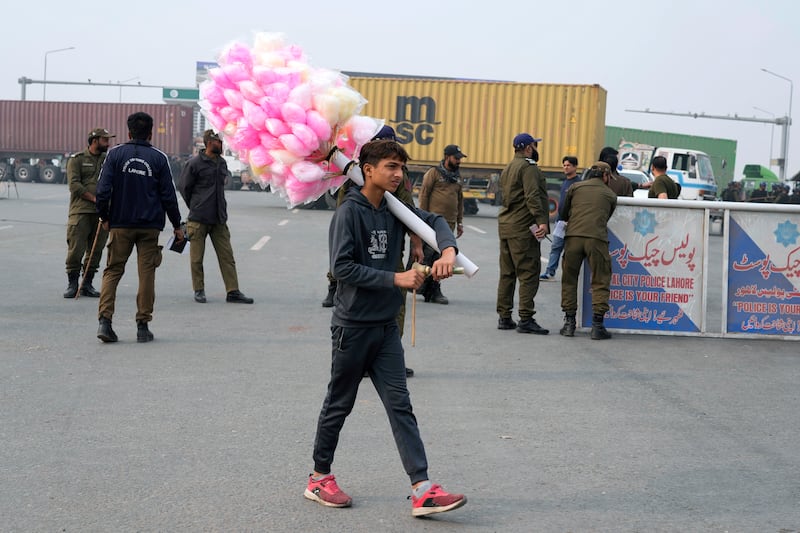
(180, 94)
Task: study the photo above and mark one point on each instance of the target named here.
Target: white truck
(689, 168)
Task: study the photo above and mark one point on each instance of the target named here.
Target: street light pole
(771, 134)
(44, 78)
(786, 126)
(124, 81)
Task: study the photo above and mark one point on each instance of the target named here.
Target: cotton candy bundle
(282, 116)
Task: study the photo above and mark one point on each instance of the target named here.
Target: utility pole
(785, 122)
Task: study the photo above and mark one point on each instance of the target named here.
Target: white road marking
(261, 242)
(473, 228)
(6, 227)
(283, 222)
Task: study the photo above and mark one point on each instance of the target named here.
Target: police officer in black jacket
(202, 185)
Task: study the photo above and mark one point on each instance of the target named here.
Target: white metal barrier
(669, 277)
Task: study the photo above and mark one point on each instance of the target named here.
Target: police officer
(83, 169)
(521, 223)
(441, 193)
(202, 185)
(587, 207)
(662, 187)
(618, 183)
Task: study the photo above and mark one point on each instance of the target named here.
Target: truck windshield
(704, 170)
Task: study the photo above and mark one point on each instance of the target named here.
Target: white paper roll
(406, 216)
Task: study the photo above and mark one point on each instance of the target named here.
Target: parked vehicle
(690, 168)
(38, 137)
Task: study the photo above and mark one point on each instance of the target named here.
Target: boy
(366, 243)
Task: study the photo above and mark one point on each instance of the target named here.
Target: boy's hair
(571, 159)
(374, 151)
(660, 162)
(140, 126)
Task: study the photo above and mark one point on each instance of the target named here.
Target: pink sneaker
(436, 500)
(327, 492)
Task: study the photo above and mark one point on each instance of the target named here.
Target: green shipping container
(721, 151)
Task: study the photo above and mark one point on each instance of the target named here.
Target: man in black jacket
(202, 185)
(134, 192)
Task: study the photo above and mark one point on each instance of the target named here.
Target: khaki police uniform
(83, 169)
(621, 185)
(525, 203)
(664, 184)
(587, 207)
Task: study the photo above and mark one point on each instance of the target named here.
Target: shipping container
(35, 136)
(482, 117)
(722, 152)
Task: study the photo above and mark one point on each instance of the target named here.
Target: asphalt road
(210, 427)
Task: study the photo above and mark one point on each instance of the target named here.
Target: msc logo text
(415, 118)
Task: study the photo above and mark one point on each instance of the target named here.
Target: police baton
(89, 258)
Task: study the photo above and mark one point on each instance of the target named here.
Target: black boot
(426, 290)
(599, 331)
(72, 285)
(568, 330)
(87, 289)
(104, 332)
(328, 301)
(143, 334)
(436, 294)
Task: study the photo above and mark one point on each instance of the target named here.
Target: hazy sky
(681, 56)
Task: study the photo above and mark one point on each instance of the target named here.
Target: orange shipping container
(483, 117)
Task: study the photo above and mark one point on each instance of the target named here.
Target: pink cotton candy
(270, 106)
(277, 127)
(306, 136)
(301, 95)
(213, 93)
(306, 171)
(285, 156)
(293, 113)
(278, 112)
(318, 125)
(244, 139)
(278, 90)
(236, 72)
(216, 120)
(230, 114)
(347, 145)
(277, 167)
(363, 128)
(295, 145)
(269, 141)
(220, 78)
(236, 53)
(259, 157)
(264, 76)
(250, 90)
(255, 116)
(234, 97)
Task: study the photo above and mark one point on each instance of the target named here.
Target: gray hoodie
(366, 245)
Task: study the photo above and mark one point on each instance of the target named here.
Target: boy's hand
(443, 267)
(416, 249)
(410, 279)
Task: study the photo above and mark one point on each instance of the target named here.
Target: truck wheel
(470, 206)
(552, 201)
(50, 174)
(26, 173)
